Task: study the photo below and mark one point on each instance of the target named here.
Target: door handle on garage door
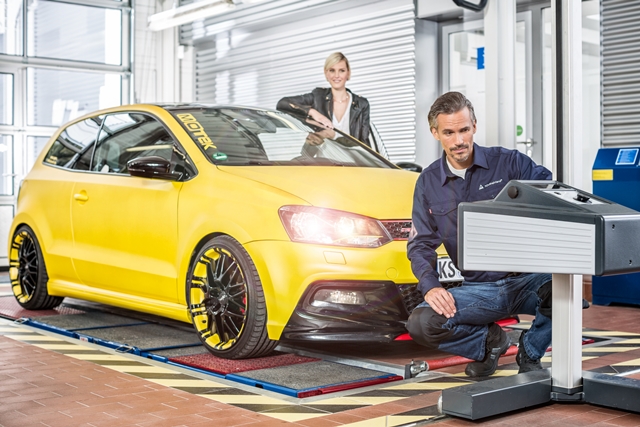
(81, 197)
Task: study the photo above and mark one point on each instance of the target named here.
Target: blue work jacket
(435, 206)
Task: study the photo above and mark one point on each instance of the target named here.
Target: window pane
(75, 141)
(55, 97)
(466, 75)
(591, 126)
(6, 164)
(69, 31)
(11, 27)
(129, 136)
(35, 144)
(6, 97)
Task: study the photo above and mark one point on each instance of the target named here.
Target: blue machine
(616, 177)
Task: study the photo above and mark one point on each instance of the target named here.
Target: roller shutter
(620, 76)
(279, 49)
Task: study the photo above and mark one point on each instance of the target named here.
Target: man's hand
(441, 301)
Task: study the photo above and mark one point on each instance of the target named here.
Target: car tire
(226, 301)
(28, 272)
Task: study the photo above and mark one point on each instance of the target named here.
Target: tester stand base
(563, 382)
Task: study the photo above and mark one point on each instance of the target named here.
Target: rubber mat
(209, 362)
(9, 308)
(313, 378)
(146, 337)
(88, 320)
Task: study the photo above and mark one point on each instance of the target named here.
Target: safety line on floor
(216, 390)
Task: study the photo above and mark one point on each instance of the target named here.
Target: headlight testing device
(548, 227)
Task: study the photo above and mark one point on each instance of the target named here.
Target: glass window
(255, 137)
(35, 144)
(591, 124)
(6, 94)
(70, 31)
(11, 27)
(73, 143)
(467, 75)
(128, 136)
(6, 165)
(56, 97)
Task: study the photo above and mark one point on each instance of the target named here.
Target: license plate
(447, 271)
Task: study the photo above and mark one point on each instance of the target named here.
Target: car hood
(378, 193)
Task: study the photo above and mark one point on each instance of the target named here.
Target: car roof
(172, 107)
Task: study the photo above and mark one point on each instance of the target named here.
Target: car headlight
(309, 224)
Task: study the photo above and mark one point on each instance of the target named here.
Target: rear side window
(73, 142)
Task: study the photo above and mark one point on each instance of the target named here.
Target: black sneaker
(526, 363)
(497, 344)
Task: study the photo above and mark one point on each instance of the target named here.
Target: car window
(126, 136)
(244, 136)
(73, 142)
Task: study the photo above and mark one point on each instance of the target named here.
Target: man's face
(455, 133)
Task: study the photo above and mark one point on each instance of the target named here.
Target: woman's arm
(299, 104)
(303, 105)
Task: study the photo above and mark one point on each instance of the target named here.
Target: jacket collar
(479, 160)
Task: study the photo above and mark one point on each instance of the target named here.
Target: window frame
(101, 116)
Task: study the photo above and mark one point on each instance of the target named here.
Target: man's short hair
(449, 103)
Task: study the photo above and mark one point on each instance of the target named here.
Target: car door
(50, 190)
(125, 227)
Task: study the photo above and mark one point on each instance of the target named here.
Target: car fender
(254, 216)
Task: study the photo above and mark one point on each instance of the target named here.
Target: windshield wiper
(317, 161)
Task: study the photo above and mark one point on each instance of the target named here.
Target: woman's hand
(441, 301)
(320, 118)
(317, 138)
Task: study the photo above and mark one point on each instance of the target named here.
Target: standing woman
(336, 107)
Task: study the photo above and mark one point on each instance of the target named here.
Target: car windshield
(244, 136)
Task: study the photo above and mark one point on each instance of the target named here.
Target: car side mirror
(410, 166)
(152, 167)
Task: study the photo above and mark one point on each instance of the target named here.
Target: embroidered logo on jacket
(482, 187)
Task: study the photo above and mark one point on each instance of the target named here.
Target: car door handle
(81, 197)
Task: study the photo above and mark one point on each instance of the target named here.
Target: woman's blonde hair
(334, 58)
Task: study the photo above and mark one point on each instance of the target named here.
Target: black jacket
(321, 99)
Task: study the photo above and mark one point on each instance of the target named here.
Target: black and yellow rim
(23, 266)
(218, 301)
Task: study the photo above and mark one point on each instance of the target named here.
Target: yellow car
(251, 224)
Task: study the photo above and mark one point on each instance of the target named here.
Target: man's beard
(460, 157)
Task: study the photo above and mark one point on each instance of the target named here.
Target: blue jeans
(480, 303)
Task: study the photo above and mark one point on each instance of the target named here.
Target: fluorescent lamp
(188, 13)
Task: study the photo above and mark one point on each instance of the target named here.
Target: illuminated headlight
(336, 296)
(331, 227)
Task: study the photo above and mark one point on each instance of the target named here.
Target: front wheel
(28, 273)
(226, 302)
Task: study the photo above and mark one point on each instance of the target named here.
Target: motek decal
(197, 130)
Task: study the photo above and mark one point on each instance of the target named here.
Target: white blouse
(343, 124)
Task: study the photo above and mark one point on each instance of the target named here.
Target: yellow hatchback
(251, 224)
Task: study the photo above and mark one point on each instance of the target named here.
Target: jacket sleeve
(528, 169)
(296, 105)
(364, 128)
(424, 239)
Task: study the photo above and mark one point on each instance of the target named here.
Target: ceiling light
(188, 13)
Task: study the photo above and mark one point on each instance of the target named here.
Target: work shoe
(497, 344)
(526, 363)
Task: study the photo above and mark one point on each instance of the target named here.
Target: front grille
(411, 296)
(399, 230)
